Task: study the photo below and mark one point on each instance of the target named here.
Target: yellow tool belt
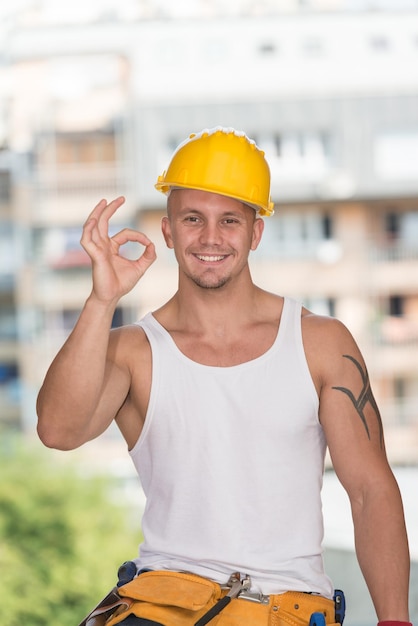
(182, 599)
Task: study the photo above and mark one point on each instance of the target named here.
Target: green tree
(61, 540)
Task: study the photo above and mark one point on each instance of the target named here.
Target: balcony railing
(394, 252)
(97, 178)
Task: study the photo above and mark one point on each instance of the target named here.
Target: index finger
(128, 235)
(105, 210)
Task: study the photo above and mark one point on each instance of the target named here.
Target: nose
(210, 234)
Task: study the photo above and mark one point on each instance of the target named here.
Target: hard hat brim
(165, 187)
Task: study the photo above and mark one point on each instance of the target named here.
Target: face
(211, 235)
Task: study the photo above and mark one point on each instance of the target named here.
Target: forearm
(382, 551)
(73, 384)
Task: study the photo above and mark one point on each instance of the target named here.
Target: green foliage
(61, 541)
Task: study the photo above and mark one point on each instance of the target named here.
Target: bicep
(116, 384)
(350, 416)
(127, 383)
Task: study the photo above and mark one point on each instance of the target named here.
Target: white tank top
(231, 462)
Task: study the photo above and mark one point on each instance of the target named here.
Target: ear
(258, 229)
(166, 230)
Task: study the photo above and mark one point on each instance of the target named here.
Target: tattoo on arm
(365, 396)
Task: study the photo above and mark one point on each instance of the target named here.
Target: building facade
(331, 98)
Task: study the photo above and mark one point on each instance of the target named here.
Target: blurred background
(94, 97)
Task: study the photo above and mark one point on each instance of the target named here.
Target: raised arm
(353, 428)
(89, 378)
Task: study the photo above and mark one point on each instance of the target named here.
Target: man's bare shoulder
(325, 337)
(128, 344)
(321, 326)
(327, 341)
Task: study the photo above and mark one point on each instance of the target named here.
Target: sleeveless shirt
(231, 462)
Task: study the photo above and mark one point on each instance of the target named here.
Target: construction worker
(227, 397)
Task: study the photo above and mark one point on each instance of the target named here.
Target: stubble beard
(200, 281)
(208, 280)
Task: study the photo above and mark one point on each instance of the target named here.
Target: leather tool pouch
(182, 598)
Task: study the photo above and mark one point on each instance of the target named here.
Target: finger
(106, 213)
(149, 255)
(101, 215)
(97, 209)
(87, 234)
(91, 237)
(130, 235)
(146, 259)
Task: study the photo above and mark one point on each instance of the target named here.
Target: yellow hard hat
(224, 161)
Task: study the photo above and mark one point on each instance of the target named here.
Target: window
(5, 186)
(399, 388)
(396, 155)
(399, 322)
(8, 250)
(166, 152)
(267, 48)
(403, 400)
(9, 387)
(320, 306)
(396, 306)
(8, 372)
(60, 248)
(8, 322)
(92, 148)
(327, 226)
(298, 154)
(392, 225)
(379, 43)
(302, 234)
(409, 227)
(402, 227)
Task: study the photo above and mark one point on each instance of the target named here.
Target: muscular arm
(84, 387)
(353, 428)
(89, 379)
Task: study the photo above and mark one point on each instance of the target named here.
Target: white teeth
(209, 258)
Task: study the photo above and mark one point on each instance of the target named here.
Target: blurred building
(95, 108)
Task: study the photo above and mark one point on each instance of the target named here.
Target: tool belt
(183, 599)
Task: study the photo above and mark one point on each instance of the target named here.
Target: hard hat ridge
(221, 160)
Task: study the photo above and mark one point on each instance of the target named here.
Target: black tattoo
(366, 396)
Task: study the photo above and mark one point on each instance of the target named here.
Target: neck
(225, 309)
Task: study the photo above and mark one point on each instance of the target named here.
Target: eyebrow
(229, 213)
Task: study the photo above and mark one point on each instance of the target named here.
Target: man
(227, 396)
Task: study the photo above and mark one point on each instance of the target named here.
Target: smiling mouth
(210, 258)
